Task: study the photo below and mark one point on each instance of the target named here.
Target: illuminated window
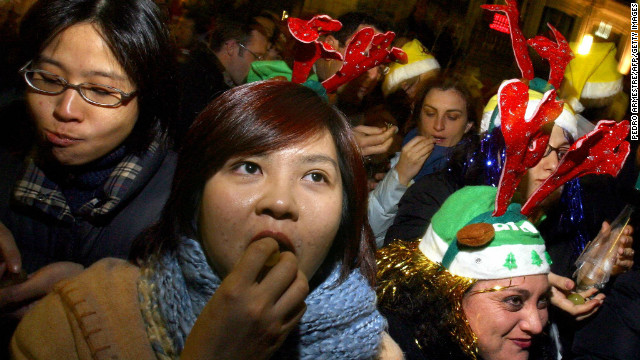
(604, 30)
(500, 23)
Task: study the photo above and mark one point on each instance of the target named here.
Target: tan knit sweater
(95, 315)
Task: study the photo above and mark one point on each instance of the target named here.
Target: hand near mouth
(413, 155)
(254, 309)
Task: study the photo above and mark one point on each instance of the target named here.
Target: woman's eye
(98, 90)
(515, 302)
(50, 78)
(430, 114)
(562, 152)
(453, 117)
(316, 177)
(247, 168)
(543, 302)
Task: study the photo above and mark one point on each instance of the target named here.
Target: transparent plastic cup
(596, 262)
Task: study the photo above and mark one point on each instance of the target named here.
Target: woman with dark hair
(97, 167)
(445, 116)
(446, 112)
(262, 250)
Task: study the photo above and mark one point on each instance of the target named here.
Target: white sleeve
(383, 204)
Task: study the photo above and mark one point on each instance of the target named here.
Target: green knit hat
(512, 246)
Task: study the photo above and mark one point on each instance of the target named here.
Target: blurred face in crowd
(444, 117)
(76, 131)
(358, 88)
(506, 321)
(293, 195)
(415, 85)
(241, 57)
(271, 28)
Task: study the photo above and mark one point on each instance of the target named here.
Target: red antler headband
(356, 61)
(557, 53)
(308, 49)
(518, 41)
(602, 151)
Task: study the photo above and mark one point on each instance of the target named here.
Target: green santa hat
(511, 247)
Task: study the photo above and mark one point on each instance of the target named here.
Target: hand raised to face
(254, 309)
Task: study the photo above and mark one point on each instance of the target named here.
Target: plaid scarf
(38, 191)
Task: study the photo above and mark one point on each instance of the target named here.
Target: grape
(576, 299)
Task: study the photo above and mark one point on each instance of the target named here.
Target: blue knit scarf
(341, 320)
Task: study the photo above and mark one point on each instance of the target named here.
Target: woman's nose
(534, 320)
(69, 106)
(438, 123)
(550, 162)
(278, 200)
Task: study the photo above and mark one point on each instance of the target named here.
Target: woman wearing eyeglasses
(100, 96)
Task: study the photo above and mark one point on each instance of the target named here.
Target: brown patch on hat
(476, 234)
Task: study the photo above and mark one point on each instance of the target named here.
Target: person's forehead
(537, 283)
(256, 37)
(444, 98)
(557, 137)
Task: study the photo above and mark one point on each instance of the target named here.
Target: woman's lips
(522, 343)
(283, 240)
(60, 139)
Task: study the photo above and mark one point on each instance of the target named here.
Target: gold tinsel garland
(403, 271)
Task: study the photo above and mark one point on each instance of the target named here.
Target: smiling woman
(262, 250)
(475, 286)
(506, 314)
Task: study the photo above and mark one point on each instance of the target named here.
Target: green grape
(576, 299)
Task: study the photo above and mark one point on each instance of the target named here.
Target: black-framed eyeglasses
(52, 84)
(560, 152)
(258, 57)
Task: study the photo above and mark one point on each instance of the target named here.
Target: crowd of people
(170, 195)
